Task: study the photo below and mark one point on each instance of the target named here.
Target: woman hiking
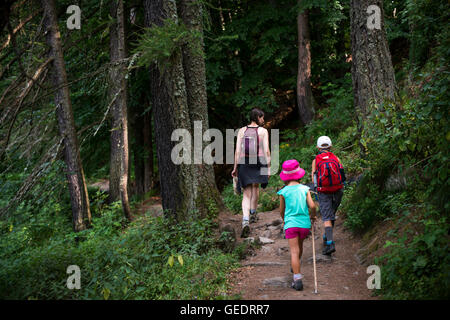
(251, 165)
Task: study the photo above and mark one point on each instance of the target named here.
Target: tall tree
(372, 71)
(143, 148)
(304, 93)
(191, 13)
(81, 215)
(118, 174)
(169, 100)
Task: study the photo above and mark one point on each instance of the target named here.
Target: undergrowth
(151, 258)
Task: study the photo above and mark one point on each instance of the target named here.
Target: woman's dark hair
(255, 114)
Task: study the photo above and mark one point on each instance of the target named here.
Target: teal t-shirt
(296, 213)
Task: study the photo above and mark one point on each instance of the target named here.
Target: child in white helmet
(328, 176)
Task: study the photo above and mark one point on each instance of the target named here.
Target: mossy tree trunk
(171, 112)
(304, 94)
(118, 178)
(372, 71)
(191, 14)
(81, 215)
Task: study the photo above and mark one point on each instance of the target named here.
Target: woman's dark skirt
(249, 173)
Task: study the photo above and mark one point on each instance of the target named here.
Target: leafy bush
(417, 266)
(408, 143)
(232, 202)
(154, 258)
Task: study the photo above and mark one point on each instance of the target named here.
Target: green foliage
(340, 113)
(409, 140)
(249, 57)
(159, 44)
(115, 263)
(417, 265)
(232, 202)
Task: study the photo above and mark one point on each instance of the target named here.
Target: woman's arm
(313, 169)
(266, 148)
(237, 153)
(282, 207)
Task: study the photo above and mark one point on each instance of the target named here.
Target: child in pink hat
(295, 199)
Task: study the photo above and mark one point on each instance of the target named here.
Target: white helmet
(324, 142)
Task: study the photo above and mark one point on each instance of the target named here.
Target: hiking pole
(314, 259)
(314, 249)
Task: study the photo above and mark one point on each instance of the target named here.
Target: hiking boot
(329, 249)
(253, 217)
(245, 229)
(297, 285)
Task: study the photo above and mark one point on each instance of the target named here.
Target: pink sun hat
(291, 170)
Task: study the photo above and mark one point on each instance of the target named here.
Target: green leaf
(420, 262)
(106, 292)
(170, 261)
(180, 259)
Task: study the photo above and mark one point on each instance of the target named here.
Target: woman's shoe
(253, 217)
(245, 229)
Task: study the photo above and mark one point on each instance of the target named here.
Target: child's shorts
(329, 203)
(291, 233)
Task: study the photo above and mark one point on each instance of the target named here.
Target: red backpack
(328, 171)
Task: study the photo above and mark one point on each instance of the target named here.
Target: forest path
(265, 275)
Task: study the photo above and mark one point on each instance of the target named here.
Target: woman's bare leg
(246, 201)
(255, 196)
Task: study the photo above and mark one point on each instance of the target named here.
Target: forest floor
(265, 273)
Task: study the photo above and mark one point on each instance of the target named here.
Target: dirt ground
(266, 275)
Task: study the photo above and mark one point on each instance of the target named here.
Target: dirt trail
(266, 275)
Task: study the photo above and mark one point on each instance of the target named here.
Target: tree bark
(372, 72)
(137, 126)
(143, 150)
(168, 94)
(148, 149)
(304, 93)
(118, 178)
(205, 188)
(81, 215)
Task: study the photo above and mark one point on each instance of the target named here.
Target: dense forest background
(99, 103)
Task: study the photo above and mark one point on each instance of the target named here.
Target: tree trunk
(118, 178)
(304, 94)
(168, 94)
(148, 149)
(81, 215)
(143, 150)
(138, 152)
(372, 72)
(205, 189)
